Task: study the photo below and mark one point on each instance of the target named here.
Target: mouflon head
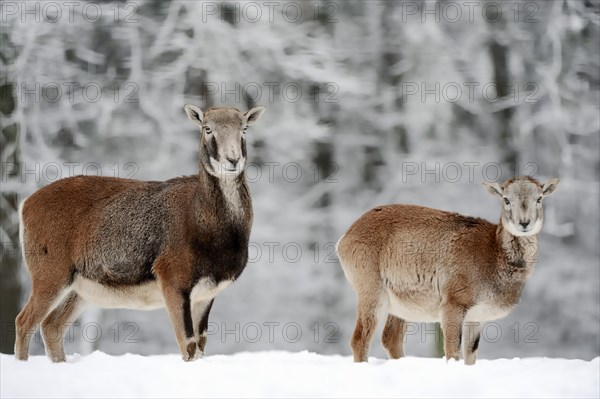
(522, 203)
(223, 137)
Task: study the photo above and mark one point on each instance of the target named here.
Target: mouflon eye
(506, 201)
(539, 200)
(245, 128)
(207, 130)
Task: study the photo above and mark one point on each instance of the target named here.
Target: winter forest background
(369, 102)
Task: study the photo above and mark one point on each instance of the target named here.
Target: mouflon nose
(233, 161)
(524, 223)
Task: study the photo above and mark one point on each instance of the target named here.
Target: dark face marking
(212, 147)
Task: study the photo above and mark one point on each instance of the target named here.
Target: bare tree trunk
(504, 117)
(10, 285)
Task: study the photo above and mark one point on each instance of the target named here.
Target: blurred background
(369, 102)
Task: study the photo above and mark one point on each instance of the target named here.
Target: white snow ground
(285, 374)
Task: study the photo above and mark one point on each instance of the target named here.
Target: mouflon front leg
(176, 293)
(200, 313)
(471, 336)
(453, 316)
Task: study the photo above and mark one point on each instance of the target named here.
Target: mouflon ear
(550, 186)
(253, 115)
(194, 113)
(493, 188)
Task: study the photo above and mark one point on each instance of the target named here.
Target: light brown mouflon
(416, 264)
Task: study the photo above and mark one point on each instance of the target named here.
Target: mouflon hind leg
(368, 312)
(393, 337)
(55, 324)
(44, 295)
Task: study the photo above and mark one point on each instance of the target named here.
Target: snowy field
(285, 374)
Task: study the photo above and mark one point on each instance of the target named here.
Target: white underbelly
(206, 289)
(415, 310)
(486, 312)
(421, 307)
(147, 296)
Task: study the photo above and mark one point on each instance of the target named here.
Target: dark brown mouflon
(123, 243)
